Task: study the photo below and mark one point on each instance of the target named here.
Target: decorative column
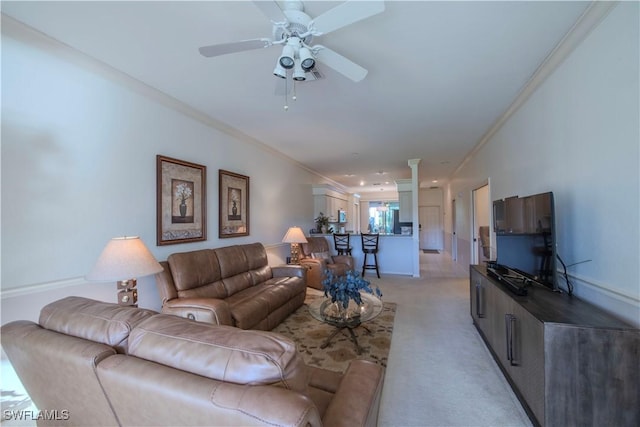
(415, 192)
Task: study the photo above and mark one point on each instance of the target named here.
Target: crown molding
(589, 20)
(22, 32)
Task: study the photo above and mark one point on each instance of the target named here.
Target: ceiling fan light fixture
(307, 61)
(298, 72)
(279, 71)
(286, 60)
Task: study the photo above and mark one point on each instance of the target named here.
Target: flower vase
(183, 209)
(348, 314)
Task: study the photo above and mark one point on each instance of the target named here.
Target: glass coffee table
(354, 316)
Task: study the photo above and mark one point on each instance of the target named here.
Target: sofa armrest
(315, 273)
(270, 404)
(357, 400)
(164, 282)
(175, 398)
(289, 270)
(314, 263)
(208, 310)
(344, 259)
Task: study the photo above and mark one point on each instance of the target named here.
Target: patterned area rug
(309, 334)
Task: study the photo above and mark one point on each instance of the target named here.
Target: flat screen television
(526, 236)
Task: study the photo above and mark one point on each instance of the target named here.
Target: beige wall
(79, 146)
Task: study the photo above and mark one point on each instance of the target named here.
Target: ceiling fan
(294, 30)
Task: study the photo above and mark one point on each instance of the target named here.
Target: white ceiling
(440, 74)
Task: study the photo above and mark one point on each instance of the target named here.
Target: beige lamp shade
(124, 258)
(294, 235)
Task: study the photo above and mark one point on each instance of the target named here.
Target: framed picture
(234, 204)
(181, 201)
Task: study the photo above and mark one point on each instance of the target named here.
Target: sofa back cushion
(243, 266)
(92, 320)
(315, 245)
(222, 353)
(220, 272)
(197, 274)
(257, 262)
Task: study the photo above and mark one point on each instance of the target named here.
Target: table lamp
(295, 236)
(123, 260)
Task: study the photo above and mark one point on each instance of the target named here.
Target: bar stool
(341, 243)
(370, 246)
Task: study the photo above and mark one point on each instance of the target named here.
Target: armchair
(315, 255)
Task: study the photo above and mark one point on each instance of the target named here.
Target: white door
(431, 232)
(481, 217)
(454, 236)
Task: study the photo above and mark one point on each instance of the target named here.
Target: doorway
(481, 249)
(431, 236)
(454, 237)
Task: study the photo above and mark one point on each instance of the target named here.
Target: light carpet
(309, 334)
(440, 373)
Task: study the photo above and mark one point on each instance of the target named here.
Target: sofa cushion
(233, 261)
(322, 255)
(96, 321)
(198, 272)
(260, 275)
(252, 305)
(339, 269)
(314, 244)
(234, 268)
(222, 353)
(256, 255)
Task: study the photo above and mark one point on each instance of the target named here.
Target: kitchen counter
(358, 235)
(394, 253)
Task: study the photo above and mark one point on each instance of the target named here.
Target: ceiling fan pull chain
(286, 107)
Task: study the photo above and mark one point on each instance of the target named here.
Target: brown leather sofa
(94, 363)
(232, 285)
(315, 255)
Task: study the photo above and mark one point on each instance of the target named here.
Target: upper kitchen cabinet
(405, 200)
(329, 202)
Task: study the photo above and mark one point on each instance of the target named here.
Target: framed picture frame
(233, 204)
(181, 201)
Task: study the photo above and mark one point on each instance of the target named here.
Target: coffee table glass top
(324, 310)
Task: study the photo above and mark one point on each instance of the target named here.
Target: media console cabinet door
(526, 368)
(498, 305)
(593, 376)
(477, 296)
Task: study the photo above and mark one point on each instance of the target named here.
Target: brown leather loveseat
(94, 363)
(232, 285)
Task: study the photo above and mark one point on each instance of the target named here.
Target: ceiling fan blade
(225, 48)
(341, 64)
(271, 10)
(345, 14)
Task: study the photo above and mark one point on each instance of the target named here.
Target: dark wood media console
(569, 362)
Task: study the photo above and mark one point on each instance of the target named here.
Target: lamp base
(295, 253)
(127, 292)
